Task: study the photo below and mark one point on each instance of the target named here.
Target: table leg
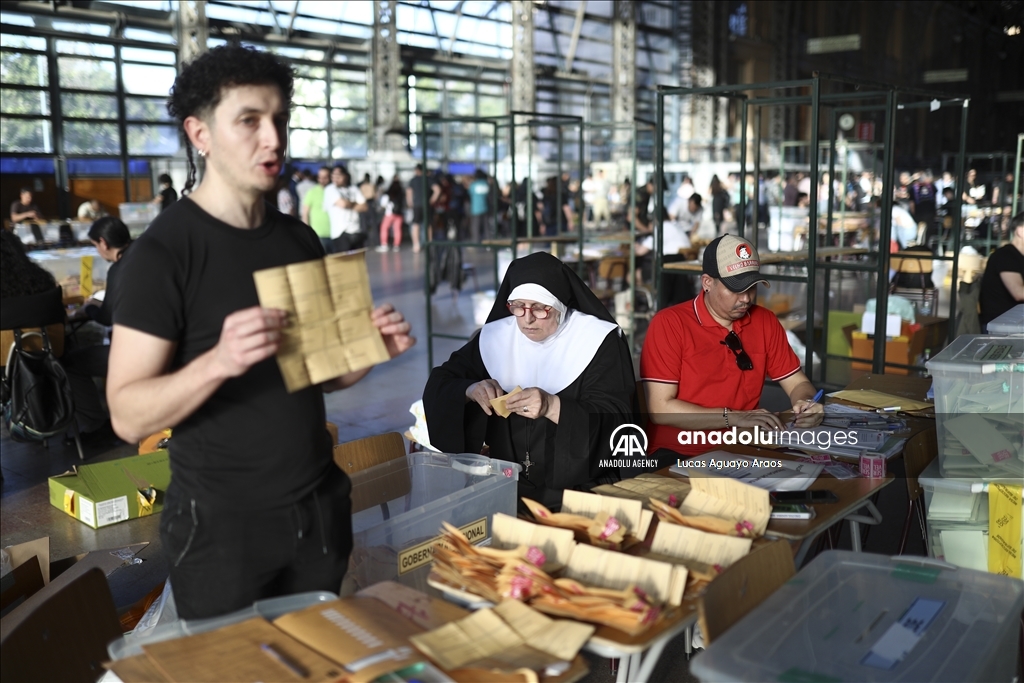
(856, 520)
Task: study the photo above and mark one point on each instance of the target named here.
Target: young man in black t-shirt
(256, 506)
(1002, 285)
(24, 209)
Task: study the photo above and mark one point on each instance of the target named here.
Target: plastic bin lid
(975, 353)
(862, 617)
(1011, 322)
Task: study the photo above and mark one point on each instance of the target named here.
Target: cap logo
(742, 251)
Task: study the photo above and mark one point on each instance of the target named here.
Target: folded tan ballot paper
(499, 403)
(329, 305)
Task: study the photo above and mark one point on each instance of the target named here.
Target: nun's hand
(483, 391)
(534, 403)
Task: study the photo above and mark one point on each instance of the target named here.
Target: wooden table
(853, 494)
(777, 257)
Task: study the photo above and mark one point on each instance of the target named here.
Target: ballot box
(958, 518)
(398, 508)
(1011, 322)
(862, 617)
(979, 407)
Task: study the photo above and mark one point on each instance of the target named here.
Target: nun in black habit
(550, 335)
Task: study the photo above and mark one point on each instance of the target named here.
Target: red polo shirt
(684, 347)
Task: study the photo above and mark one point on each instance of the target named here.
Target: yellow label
(1004, 516)
(422, 554)
(85, 277)
(69, 502)
(145, 504)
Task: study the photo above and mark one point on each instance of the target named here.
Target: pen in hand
(293, 667)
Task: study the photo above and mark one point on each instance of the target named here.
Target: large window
(25, 124)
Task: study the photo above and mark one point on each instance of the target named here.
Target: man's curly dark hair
(19, 276)
(198, 88)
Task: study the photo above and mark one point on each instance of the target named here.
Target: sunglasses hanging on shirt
(732, 341)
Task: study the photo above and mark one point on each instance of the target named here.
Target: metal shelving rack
(505, 124)
(838, 103)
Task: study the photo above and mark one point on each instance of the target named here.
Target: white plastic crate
(979, 407)
(862, 617)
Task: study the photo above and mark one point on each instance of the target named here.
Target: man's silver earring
(202, 153)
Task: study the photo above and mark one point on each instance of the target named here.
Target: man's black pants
(223, 558)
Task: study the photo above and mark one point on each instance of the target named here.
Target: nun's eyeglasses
(519, 309)
(732, 340)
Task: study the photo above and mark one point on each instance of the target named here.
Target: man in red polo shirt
(704, 361)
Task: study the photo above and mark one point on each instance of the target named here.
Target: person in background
(479, 220)
(548, 334)
(974, 192)
(313, 213)
(940, 186)
(167, 195)
(414, 194)
(922, 205)
(25, 210)
(19, 275)
(343, 204)
(790, 192)
(393, 203)
(601, 213)
(111, 238)
(285, 199)
(1002, 285)
(90, 210)
(719, 202)
(304, 182)
(256, 507)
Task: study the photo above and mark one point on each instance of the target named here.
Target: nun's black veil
(541, 268)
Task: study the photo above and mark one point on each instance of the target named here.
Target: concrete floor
(378, 404)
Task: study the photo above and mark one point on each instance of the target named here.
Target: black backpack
(37, 402)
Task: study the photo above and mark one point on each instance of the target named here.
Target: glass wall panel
(307, 144)
(309, 117)
(144, 79)
(82, 106)
(25, 135)
(21, 68)
(348, 146)
(151, 140)
(86, 74)
(91, 138)
(146, 109)
(24, 101)
(310, 93)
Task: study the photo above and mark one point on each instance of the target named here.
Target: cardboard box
(928, 332)
(109, 492)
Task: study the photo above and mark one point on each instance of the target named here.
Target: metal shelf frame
(507, 124)
(893, 98)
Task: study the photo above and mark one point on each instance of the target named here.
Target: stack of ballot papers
(772, 475)
(982, 445)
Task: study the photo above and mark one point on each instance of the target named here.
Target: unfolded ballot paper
(630, 513)
(329, 305)
(510, 532)
(593, 566)
(509, 637)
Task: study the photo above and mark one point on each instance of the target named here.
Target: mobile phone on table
(792, 511)
(803, 497)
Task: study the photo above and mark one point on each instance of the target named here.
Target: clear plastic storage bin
(979, 407)
(1011, 322)
(957, 511)
(861, 617)
(398, 508)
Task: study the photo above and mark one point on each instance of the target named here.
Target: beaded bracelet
(725, 414)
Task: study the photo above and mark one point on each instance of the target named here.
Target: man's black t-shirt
(995, 299)
(418, 184)
(251, 444)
